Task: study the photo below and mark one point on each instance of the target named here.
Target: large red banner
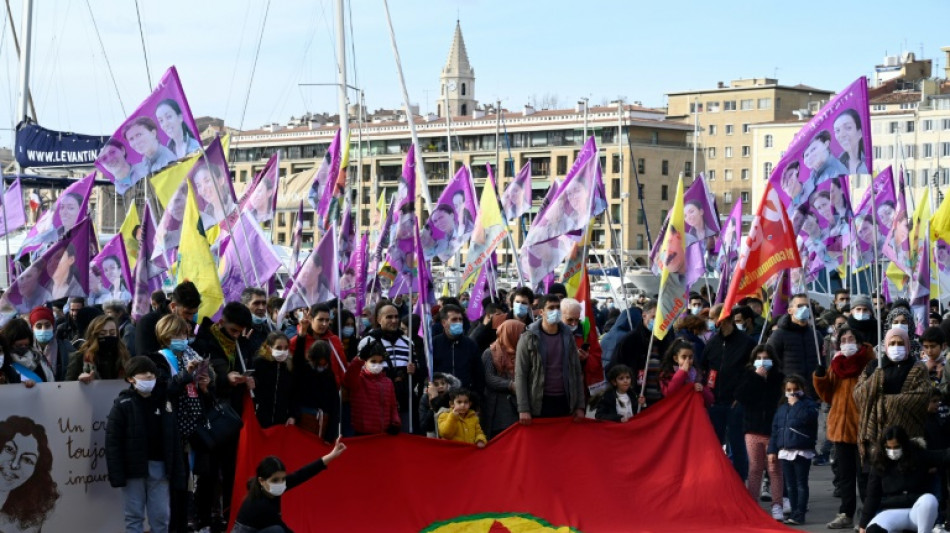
(662, 471)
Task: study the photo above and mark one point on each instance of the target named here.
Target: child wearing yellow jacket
(461, 423)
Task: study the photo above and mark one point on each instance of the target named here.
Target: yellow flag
(673, 290)
(940, 223)
(195, 262)
(129, 225)
(167, 181)
(575, 263)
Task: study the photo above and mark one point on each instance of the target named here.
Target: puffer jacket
(727, 356)
(797, 350)
(760, 398)
(836, 387)
(372, 400)
(127, 440)
(461, 428)
(529, 371)
(794, 427)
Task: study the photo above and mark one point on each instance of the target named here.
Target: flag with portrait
(69, 209)
(114, 277)
(452, 219)
(260, 199)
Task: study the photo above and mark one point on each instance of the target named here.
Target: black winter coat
(794, 427)
(206, 345)
(461, 358)
(273, 392)
(727, 356)
(893, 488)
(797, 350)
(760, 398)
(127, 440)
(632, 349)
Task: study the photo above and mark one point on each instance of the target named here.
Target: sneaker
(786, 506)
(841, 521)
(940, 528)
(794, 522)
(820, 460)
(765, 494)
(777, 513)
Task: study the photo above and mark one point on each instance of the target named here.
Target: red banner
(663, 471)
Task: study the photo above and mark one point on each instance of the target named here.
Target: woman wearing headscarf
(901, 317)
(895, 394)
(500, 408)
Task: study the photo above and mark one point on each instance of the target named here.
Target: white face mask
(896, 353)
(695, 310)
(144, 386)
(895, 454)
(276, 489)
(740, 326)
(849, 349)
(374, 368)
(861, 315)
(280, 355)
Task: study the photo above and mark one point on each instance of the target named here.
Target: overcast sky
(521, 51)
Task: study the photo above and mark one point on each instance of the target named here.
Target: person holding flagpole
(796, 342)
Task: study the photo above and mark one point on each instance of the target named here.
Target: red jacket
(372, 400)
(337, 365)
(681, 379)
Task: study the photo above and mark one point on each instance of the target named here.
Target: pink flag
(147, 277)
(298, 236)
(329, 169)
(214, 191)
(873, 218)
(897, 245)
(70, 208)
(701, 222)
(516, 200)
(317, 280)
(168, 234)
(113, 266)
(14, 214)
(159, 132)
(248, 259)
(401, 257)
(260, 199)
(728, 253)
(452, 219)
(353, 281)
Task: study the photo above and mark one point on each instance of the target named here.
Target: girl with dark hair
(102, 355)
(29, 364)
(900, 484)
(260, 511)
(27, 490)
(273, 378)
(794, 433)
(678, 370)
(316, 397)
(8, 374)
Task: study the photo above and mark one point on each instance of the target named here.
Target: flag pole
(227, 219)
(876, 275)
(6, 228)
(646, 370)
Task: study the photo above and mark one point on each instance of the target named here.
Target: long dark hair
(268, 466)
(668, 366)
(911, 450)
(30, 503)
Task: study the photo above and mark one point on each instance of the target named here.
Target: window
(615, 188)
(464, 109)
(641, 165)
(729, 129)
(765, 103)
(664, 213)
(711, 152)
(728, 151)
(695, 107)
(927, 125)
(729, 105)
(877, 152)
(711, 175)
(562, 164)
(727, 198)
(879, 107)
(463, 89)
(745, 128)
(744, 173)
(640, 241)
(712, 107)
(664, 192)
(944, 149)
(641, 217)
(665, 168)
(910, 126)
(615, 213)
(892, 126)
(927, 149)
(711, 129)
(945, 124)
(767, 170)
(769, 140)
(744, 195)
(727, 174)
(747, 105)
(945, 176)
(639, 191)
(746, 151)
(889, 151)
(615, 164)
(911, 178)
(688, 169)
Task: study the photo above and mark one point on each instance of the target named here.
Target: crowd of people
(811, 387)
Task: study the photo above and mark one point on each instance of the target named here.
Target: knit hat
(897, 332)
(861, 300)
(41, 313)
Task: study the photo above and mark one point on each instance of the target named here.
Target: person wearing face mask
(842, 300)
(895, 393)
(348, 334)
(372, 393)
(796, 342)
(144, 455)
(255, 300)
(8, 374)
(835, 386)
(260, 511)
(862, 318)
(902, 318)
(316, 398)
(56, 351)
(455, 353)
(585, 337)
(900, 486)
(314, 325)
(549, 381)
(29, 364)
(273, 378)
(792, 442)
(102, 356)
(521, 299)
(185, 302)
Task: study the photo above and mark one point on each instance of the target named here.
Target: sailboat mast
(341, 69)
(26, 32)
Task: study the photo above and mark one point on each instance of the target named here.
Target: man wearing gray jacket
(548, 377)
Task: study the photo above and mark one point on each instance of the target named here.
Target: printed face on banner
(214, 192)
(262, 197)
(158, 133)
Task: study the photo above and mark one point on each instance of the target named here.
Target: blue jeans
(796, 482)
(147, 494)
(727, 422)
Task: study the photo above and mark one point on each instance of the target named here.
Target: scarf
(228, 345)
(503, 349)
(849, 367)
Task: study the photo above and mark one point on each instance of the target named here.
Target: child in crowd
(793, 439)
(759, 392)
(143, 449)
(617, 403)
(316, 395)
(677, 371)
(372, 394)
(260, 511)
(461, 423)
(932, 343)
(273, 393)
(435, 400)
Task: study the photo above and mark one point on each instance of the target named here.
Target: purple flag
(474, 311)
(516, 200)
(147, 277)
(401, 257)
(248, 259)
(452, 220)
(330, 167)
(159, 132)
(168, 234)
(701, 222)
(260, 199)
(920, 281)
(14, 215)
(113, 265)
(298, 236)
(347, 233)
(881, 217)
(728, 253)
(214, 191)
(897, 245)
(317, 280)
(353, 281)
(70, 208)
(942, 263)
(61, 272)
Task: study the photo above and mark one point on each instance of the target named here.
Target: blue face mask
(553, 316)
(348, 331)
(43, 335)
(465, 304)
(521, 310)
(650, 325)
(258, 320)
(803, 313)
(456, 328)
(365, 322)
(759, 363)
(178, 345)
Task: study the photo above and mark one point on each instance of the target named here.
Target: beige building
(725, 116)
(655, 151)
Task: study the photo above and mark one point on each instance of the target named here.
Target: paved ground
(821, 504)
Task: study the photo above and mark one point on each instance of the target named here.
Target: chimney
(720, 85)
(528, 110)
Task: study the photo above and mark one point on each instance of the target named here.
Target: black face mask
(108, 345)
